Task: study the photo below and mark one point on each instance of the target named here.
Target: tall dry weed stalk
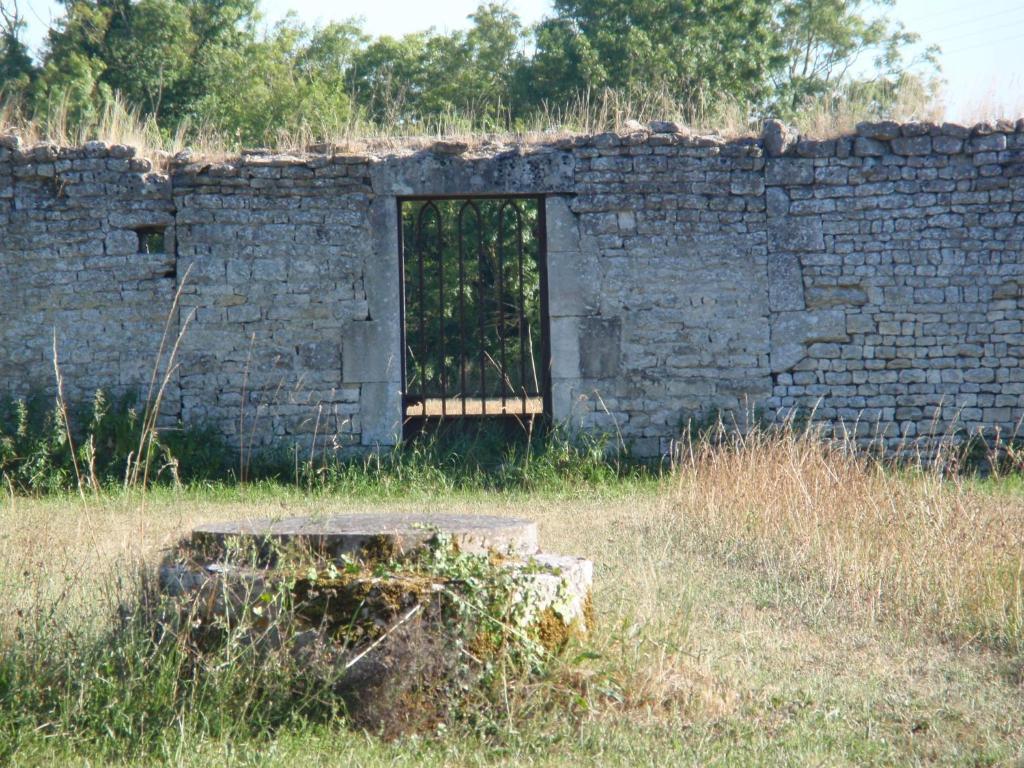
(62, 410)
(163, 372)
(116, 122)
(834, 526)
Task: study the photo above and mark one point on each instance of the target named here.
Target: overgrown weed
(41, 443)
(589, 112)
(843, 529)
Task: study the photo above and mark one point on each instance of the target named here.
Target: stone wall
(69, 265)
(874, 280)
(275, 252)
(897, 262)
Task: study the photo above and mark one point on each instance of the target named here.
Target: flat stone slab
(380, 533)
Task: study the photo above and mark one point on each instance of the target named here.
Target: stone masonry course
(872, 281)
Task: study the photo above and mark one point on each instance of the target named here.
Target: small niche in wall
(151, 239)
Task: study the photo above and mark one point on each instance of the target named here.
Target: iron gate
(474, 308)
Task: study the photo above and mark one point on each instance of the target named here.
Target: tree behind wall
(209, 65)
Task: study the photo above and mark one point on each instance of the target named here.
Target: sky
(982, 45)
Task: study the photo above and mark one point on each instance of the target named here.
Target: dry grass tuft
(587, 114)
(839, 528)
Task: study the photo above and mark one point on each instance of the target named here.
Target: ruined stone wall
(672, 259)
(872, 279)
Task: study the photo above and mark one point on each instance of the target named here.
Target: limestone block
(797, 234)
(915, 145)
(563, 233)
(369, 353)
(565, 348)
(785, 282)
(867, 147)
(884, 130)
(987, 143)
(816, 148)
(777, 201)
(380, 409)
(600, 347)
(778, 138)
(789, 171)
(745, 183)
(121, 242)
(947, 145)
(832, 296)
(664, 126)
(791, 332)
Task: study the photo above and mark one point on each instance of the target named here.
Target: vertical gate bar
(481, 294)
(421, 295)
(462, 304)
(442, 362)
(501, 301)
(522, 309)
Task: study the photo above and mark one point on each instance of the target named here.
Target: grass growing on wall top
(587, 113)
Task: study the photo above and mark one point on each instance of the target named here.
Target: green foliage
(484, 456)
(291, 80)
(201, 66)
(161, 665)
(686, 48)
(426, 74)
(36, 456)
(17, 70)
(821, 40)
(116, 691)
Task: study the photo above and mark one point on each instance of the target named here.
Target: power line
(987, 43)
(973, 20)
(978, 32)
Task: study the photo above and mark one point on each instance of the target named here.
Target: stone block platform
(388, 604)
(353, 535)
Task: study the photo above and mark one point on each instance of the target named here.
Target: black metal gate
(474, 307)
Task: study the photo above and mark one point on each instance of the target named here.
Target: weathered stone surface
(388, 533)
(785, 282)
(675, 266)
(449, 147)
(361, 603)
(600, 347)
(832, 296)
(778, 138)
(664, 126)
(797, 234)
(883, 131)
(789, 171)
(793, 332)
(865, 146)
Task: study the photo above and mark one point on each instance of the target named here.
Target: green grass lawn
(724, 636)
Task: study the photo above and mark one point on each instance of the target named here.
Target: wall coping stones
(776, 139)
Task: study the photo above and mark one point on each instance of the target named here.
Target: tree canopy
(212, 65)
